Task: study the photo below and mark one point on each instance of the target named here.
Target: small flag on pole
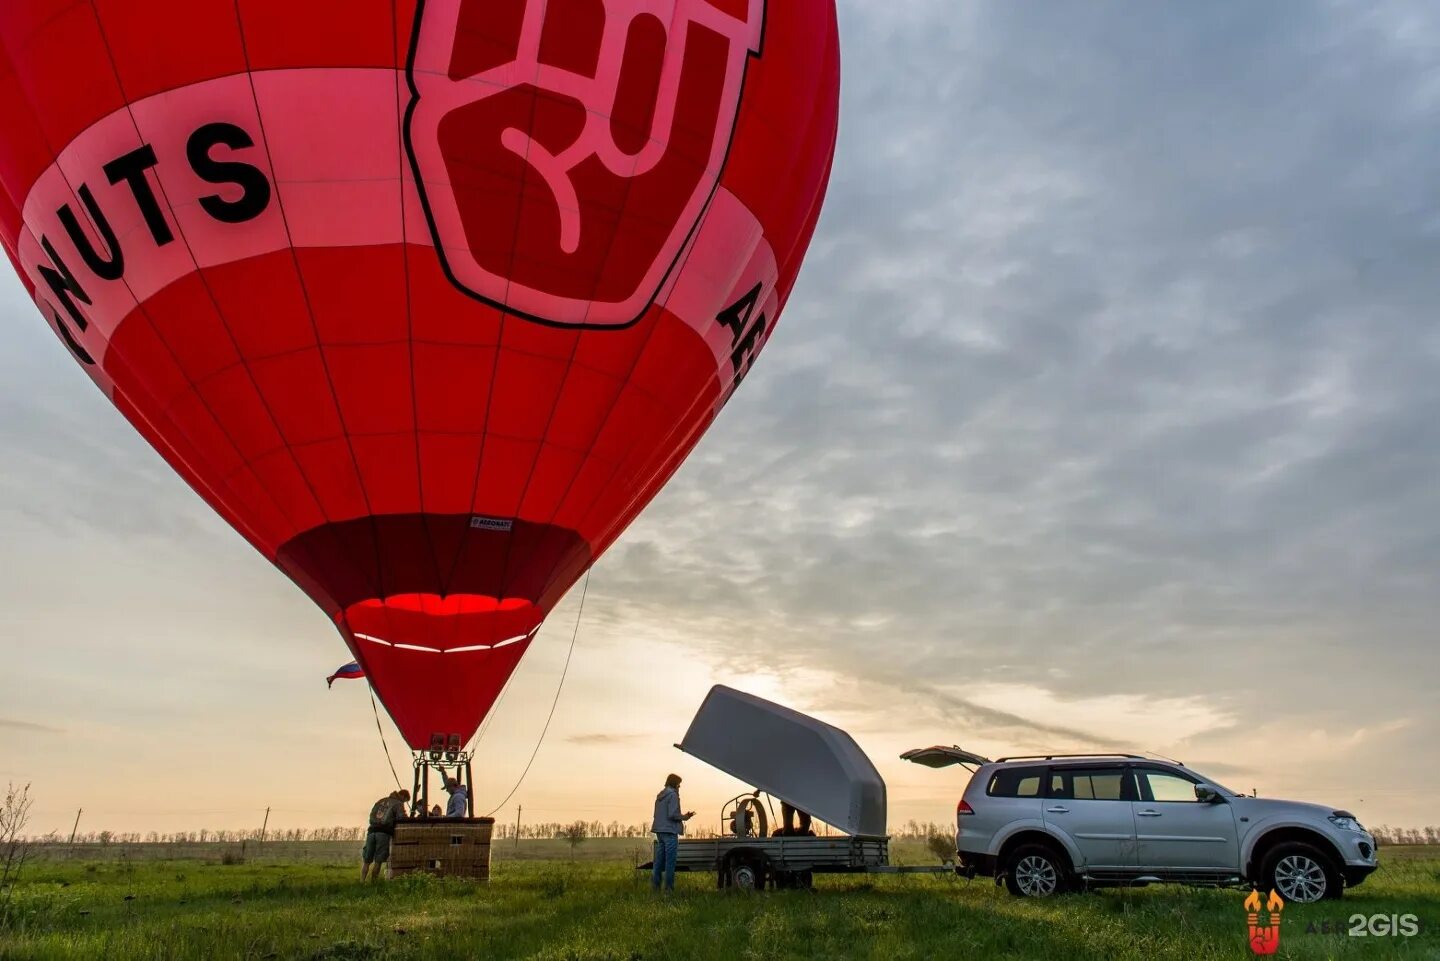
(351, 672)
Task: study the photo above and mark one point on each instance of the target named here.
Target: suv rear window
(1017, 782)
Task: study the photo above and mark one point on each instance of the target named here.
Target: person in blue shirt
(459, 803)
(667, 827)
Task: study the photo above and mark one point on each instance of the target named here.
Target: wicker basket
(444, 847)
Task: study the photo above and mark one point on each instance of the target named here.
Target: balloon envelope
(426, 299)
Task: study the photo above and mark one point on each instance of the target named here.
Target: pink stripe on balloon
(328, 140)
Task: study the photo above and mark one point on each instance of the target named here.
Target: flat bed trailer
(783, 862)
(753, 864)
(806, 763)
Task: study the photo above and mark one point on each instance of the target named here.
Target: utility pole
(264, 825)
(518, 809)
(77, 825)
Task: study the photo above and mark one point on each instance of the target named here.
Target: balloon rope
(553, 704)
(381, 731)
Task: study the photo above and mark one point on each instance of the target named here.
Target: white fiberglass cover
(813, 765)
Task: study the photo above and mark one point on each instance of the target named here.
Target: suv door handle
(1147, 814)
(1057, 809)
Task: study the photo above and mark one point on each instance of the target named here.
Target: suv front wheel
(1037, 871)
(1300, 873)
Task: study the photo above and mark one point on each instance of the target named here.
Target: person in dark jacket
(668, 825)
(383, 815)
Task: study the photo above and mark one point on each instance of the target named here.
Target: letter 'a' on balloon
(427, 298)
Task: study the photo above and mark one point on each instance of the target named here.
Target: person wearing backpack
(383, 815)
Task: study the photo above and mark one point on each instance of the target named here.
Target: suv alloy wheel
(1037, 871)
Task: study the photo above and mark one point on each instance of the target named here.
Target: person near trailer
(380, 830)
(788, 815)
(668, 825)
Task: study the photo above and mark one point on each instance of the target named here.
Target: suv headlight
(1346, 822)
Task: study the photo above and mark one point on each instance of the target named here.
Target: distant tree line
(1388, 835)
(559, 829)
(569, 830)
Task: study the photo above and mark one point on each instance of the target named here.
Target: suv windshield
(1218, 786)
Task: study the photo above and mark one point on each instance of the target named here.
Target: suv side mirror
(1207, 794)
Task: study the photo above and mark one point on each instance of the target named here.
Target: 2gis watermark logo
(1370, 926)
(1263, 918)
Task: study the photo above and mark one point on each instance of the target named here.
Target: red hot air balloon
(427, 298)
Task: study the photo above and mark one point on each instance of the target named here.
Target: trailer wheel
(747, 876)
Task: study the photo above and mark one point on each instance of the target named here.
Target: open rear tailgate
(938, 756)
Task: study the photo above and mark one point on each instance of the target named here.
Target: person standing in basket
(668, 825)
(459, 804)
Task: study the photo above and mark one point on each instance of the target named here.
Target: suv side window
(1165, 786)
(1091, 784)
(1017, 782)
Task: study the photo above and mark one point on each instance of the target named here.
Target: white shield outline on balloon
(434, 95)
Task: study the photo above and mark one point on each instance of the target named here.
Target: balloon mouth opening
(448, 624)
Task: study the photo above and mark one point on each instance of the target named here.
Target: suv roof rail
(1054, 757)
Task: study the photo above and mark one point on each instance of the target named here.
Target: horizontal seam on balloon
(459, 163)
(392, 343)
(587, 453)
(251, 522)
(287, 510)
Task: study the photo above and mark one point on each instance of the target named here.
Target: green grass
(540, 905)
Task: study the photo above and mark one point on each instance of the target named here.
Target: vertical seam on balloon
(220, 315)
(812, 215)
(692, 407)
(499, 333)
(140, 307)
(309, 308)
(500, 697)
(396, 53)
(596, 547)
(656, 310)
(580, 333)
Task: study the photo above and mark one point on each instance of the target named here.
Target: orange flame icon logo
(1264, 937)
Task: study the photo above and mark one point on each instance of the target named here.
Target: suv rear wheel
(1300, 873)
(1037, 871)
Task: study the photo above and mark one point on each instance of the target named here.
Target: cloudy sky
(1104, 415)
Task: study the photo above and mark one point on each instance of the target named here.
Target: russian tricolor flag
(351, 671)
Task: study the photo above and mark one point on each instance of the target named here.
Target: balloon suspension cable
(381, 731)
(553, 704)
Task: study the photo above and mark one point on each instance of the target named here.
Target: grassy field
(304, 901)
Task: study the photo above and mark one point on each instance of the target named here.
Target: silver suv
(1061, 822)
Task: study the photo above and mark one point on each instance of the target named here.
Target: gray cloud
(14, 725)
(1112, 369)
(600, 739)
